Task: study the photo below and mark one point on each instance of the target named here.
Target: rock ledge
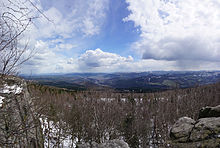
(205, 132)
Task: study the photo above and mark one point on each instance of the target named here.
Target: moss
(200, 135)
(210, 143)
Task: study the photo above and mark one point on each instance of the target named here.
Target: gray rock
(206, 128)
(210, 143)
(209, 112)
(108, 144)
(19, 126)
(205, 132)
(181, 129)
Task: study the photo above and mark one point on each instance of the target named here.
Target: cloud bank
(70, 18)
(183, 31)
(89, 61)
(59, 40)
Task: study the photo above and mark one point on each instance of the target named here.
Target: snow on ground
(1, 100)
(6, 89)
(52, 132)
(11, 89)
(124, 99)
(107, 99)
(137, 100)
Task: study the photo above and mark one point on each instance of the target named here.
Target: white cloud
(98, 59)
(66, 46)
(70, 18)
(46, 60)
(185, 31)
(94, 17)
(72, 22)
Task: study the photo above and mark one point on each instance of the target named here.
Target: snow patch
(123, 99)
(11, 89)
(52, 132)
(1, 100)
(107, 99)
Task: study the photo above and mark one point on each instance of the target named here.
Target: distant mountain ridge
(140, 81)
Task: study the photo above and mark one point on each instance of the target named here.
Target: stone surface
(205, 132)
(19, 126)
(108, 144)
(206, 128)
(181, 129)
(210, 143)
(209, 112)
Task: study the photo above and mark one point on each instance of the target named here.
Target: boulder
(206, 128)
(209, 143)
(181, 129)
(205, 132)
(209, 112)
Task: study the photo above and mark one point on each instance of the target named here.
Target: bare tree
(15, 17)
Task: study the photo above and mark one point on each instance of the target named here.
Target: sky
(124, 36)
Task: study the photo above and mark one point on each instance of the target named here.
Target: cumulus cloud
(71, 23)
(92, 61)
(70, 18)
(186, 32)
(99, 59)
(46, 60)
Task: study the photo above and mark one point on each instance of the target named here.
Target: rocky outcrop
(181, 129)
(206, 128)
(210, 112)
(19, 126)
(205, 132)
(108, 144)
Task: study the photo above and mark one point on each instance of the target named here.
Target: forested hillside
(133, 81)
(141, 119)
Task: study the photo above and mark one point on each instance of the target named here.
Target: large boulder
(206, 128)
(209, 112)
(181, 129)
(205, 132)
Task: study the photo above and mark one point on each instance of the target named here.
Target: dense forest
(140, 119)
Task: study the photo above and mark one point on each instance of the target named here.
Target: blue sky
(117, 35)
(125, 36)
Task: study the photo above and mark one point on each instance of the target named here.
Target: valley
(125, 82)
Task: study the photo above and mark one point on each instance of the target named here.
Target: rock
(206, 128)
(205, 132)
(209, 112)
(108, 144)
(181, 129)
(210, 143)
(19, 126)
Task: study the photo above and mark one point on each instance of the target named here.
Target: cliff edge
(19, 126)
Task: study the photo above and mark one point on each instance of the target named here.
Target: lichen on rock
(181, 129)
(205, 132)
(206, 128)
